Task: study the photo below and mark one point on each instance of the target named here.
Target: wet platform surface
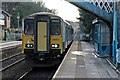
(80, 62)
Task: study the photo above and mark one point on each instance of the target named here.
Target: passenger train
(45, 37)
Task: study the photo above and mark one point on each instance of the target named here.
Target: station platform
(80, 62)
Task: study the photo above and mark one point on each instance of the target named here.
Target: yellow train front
(45, 38)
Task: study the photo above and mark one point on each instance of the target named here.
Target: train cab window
(55, 27)
(28, 27)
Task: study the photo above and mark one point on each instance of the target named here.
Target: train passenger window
(28, 27)
(55, 27)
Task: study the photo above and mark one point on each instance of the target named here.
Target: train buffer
(80, 62)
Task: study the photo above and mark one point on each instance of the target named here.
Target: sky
(66, 10)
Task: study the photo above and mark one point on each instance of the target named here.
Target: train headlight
(55, 45)
(29, 45)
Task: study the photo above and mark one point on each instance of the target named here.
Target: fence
(12, 36)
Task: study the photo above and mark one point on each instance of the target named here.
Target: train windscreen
(55, 27)
(28, 26)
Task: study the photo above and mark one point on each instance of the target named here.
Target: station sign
(2, 22)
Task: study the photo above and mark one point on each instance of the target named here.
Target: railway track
(10, 57)
(25, 74)
(41, 73)
(10, 52)
(11, 61)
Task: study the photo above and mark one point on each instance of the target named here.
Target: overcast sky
(65, 9)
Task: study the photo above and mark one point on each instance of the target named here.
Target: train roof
(43, 13)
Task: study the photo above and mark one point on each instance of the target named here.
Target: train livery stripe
(41, 36)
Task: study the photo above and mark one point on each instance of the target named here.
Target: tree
(86, 18)
(24, 9)
(53, 11)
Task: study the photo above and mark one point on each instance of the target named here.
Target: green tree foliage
(24, 9)
(86, 18)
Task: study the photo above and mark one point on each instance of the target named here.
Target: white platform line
(61, 63)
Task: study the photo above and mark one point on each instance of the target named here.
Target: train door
(42, 34)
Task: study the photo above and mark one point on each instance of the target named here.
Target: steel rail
(24, 74)
(11, 56)
(12, 64)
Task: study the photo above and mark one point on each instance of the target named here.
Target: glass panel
(105, 34)
(103, 29)
(28, 26)
(108, 38)
(103, 38)
(107, 30)
(55, 27)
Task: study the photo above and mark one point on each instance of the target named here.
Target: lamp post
(18, 17)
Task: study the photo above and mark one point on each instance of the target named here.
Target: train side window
(55, 27)
(28, 27)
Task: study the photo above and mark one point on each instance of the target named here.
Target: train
(45, 37)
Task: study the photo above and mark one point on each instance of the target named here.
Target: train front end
(44, 46)
(27, 36)
(47, 40)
